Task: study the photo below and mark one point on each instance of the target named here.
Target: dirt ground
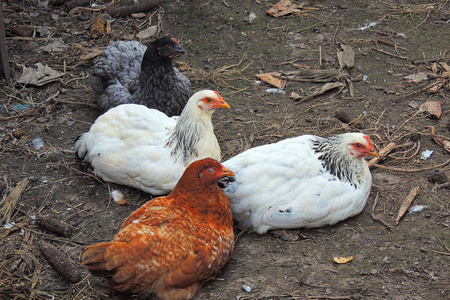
(228, 44)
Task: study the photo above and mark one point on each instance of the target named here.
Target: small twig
(388, 53)
(32, 110)
(408, 157)
(378, 218)
(394, 169)
(439, 252)
(426, 18)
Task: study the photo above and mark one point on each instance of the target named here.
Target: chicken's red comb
(367, 138)
(220, 97)
(175, 40)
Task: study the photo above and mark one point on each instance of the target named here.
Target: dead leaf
(286, 7)
(270, 79)
(10, 200)
(432, 107)
(406, 203)
(421, 76)
(56, 46)
(147, 33)
(39, 75)
(440, 141)
(346, 57)
(342, 260)
(281, 6)
(434, 68)
(321, 90)
(97, 28)
(445, 66)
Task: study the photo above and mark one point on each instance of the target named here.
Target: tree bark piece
(4, 67)
(119, 10)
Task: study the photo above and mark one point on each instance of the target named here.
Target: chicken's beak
(221, 103)
(372, 152)
(175, 50)
(227, 173)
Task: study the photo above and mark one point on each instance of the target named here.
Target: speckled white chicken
(143, 148)
(307, 181)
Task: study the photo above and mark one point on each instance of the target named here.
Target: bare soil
(228, 43)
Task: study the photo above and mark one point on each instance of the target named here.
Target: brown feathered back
(171, 245)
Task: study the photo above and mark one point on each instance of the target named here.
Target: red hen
(172, 244)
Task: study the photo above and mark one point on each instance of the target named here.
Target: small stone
(138, 15)
(246, 288)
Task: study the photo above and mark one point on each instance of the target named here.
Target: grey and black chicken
(129, 72)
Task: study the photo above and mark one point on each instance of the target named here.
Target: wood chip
(406, 203)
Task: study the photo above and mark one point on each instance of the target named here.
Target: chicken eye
(210, 171)
(358, 145)
(209, 100)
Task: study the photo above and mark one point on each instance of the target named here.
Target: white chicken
(307, 181)
(143, 148)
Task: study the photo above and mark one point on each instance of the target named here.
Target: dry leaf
(434, 68)
(445, 66)
(283, 5)
(97, 28)
(39, 75)
(421, 76)
(342, 260)
(286, 7)
(406, 203)
(432, 107)
(276, 82)
(346, 57)
(440, 141)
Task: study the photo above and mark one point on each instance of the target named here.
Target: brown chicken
(172, 244)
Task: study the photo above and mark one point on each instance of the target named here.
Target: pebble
(38, 143)
(246, 288)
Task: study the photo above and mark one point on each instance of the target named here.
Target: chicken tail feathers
(80, 146)
(108, 260)
(93, 257)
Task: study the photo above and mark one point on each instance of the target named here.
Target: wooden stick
(383, 152)
(388, 53)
